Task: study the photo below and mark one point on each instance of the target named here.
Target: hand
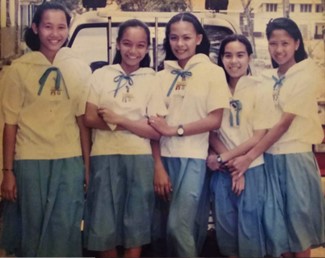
(162, 184)
(238, 185)
(239, 165)
(109, 116)
(212, 162)
(8, 186)
(160, 125)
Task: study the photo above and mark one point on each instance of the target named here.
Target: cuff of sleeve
(112, 126)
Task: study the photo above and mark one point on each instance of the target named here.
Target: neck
(232, 84)
(129, 69)
(285, 67)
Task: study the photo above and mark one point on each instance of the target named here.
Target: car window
(91, 41)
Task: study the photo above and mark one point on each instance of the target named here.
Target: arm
(211, 122)
(162, 184)
(244, 147)
(8, 186)
(240, 164)
(85, 140)
(138, 127)
(216, 147)
(92, 118)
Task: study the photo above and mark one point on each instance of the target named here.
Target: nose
(55, 32)
(132, 49)
(180, 42)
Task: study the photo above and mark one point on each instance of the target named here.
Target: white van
(93, 33)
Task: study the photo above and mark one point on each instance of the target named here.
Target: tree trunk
(247, 13)
(8, 20)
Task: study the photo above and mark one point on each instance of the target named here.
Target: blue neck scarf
(237, 106)
(276, 88)
(119, 79)
(58, 79)
(179, 73)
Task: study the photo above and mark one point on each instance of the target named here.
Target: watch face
(180, 131)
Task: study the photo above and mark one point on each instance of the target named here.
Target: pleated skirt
(294, 214)
(239, 219)
(120, 202)
(46, 218)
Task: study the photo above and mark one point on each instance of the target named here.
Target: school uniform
(295, 209)
(190, 95)
(238, 219)
(120, 195)
(43, 100)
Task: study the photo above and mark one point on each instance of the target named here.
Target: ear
(297, 44)
(34, 28)
(199, 38)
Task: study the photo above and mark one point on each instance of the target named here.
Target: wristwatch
(219, 159)
(180, 130)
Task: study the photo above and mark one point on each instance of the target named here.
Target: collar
(194, 60)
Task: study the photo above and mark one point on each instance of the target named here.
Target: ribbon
(119, 79)
(276, 87)
(181, 73)
(237, 106)
(58, 78)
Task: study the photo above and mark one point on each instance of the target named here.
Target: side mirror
(93, 3)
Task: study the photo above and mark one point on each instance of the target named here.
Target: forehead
(235, 46)
(52, 15)
(135, 34)
(280, 34)
(182, 27)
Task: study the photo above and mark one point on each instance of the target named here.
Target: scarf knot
(178, 73)
(119, 78)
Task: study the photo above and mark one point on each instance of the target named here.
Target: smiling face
(52, 32)
(282, 48)
(183, 40)
(133, 47)
(235, 60)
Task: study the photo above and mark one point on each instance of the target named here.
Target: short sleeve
(219, 94)
(84, 91)
(93, 89)
(156, 105)
(13, 96)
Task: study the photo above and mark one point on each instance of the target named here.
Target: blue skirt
(46, 218)
(238, 219)
(294, 214)
(120, 202)
(179, 225)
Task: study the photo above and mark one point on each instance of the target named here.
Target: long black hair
(292, 29)
(32, 40)
(231, 38)
(203, 47)
(145, 62)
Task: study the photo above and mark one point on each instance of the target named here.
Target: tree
(153, 5)
(248, 11)
(8, 19)
(70, 4)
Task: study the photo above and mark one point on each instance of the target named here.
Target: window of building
(292, 8)
(319, 30)
(305, 8)
(319, 8)
(271, 7)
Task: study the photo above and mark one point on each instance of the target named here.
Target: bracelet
(7, 169)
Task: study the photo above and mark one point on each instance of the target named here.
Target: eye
(172, 38)
(227, 56)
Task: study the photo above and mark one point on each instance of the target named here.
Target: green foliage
(70, 4)
(152, 5)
